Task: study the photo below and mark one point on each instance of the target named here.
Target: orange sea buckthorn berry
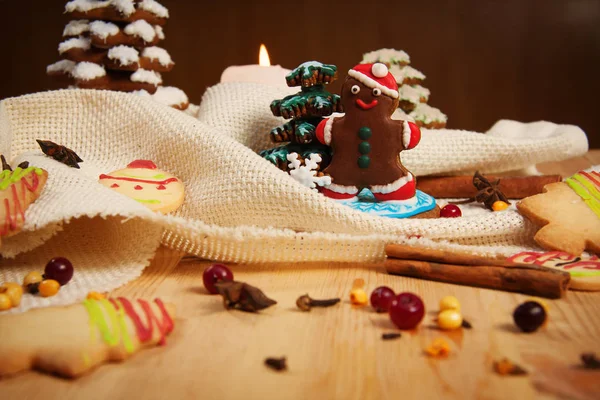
(32, 277)
(95, 296)
(14, 291)
(5, 303)
(48, 287)
(499, 205)
(449, 319)
(449, 303)
(358, 297)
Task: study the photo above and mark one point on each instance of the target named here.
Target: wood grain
(337, 352)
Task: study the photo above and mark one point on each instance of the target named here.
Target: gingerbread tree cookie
(568, 214)
(413, 97)
(113, 44)
(305, 109)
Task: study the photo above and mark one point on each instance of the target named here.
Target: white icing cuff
(342, 189)
(392, 187)
(406, 134)
(327, 130)
(365, 80)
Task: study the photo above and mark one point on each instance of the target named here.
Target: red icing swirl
(142, 164)
(144, 333)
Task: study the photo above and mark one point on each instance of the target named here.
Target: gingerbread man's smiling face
(362, 93)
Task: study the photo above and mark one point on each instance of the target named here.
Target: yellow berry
(449, 303)
(449, 319)
(14, 291)
(5, 303)
(48, 287)
(499, 205)
(358, 297)
(95, 296)
(32, 277)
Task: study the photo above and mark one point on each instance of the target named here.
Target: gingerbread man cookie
(569, 213)
(158, 190)
(366, 142)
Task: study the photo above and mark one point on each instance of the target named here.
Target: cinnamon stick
(455, 187)
(443, 256)
(533, 280)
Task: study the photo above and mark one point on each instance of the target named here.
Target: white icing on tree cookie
(74, 43)
(427, 114)
(141, 29)
(307, 174)
(154, 7)
(76, 27)
(145, 76)
(125, 55)
(159, 32)
(390, 56)
(157, 53)
(103, 29)
(87, 71)
(125, 7)
(413, 94)
(407, 72)
(62, 66)
(170, 96)
(86, 5)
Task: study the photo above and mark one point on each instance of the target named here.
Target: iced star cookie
(568, 213)
(18, 189)
(70, 341)
(142, 181)
(584, 269)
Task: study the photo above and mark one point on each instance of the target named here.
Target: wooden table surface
(337, 353)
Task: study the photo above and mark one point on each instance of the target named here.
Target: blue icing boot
(365, 202)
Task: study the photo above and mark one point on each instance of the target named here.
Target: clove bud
(305, 303)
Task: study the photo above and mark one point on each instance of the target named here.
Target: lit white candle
(264, 72)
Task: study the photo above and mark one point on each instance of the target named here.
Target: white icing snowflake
(307, 174)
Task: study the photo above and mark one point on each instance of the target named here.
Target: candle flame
(263, 56)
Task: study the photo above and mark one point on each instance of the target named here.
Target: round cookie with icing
(142, 181)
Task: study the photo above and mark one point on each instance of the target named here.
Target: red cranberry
(407, 310)
(216, 273)
(381, 298)
(450, 211)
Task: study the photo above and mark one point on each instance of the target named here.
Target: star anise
(6, 166)
(487, 192)
(244, 297)
(60, 153)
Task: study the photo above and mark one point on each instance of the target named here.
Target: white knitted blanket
(238, 207)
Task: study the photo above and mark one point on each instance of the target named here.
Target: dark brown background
(484, 60)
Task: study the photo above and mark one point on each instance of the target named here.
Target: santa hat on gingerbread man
(376, 76)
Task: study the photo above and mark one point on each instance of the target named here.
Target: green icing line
(117, 319)
(148, 201)
(9, 177)
(592, 203)
(588, 185)
(584, 273)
